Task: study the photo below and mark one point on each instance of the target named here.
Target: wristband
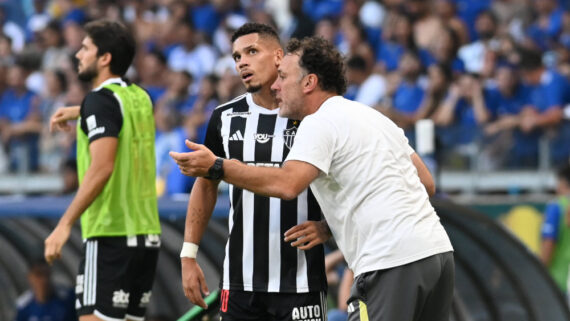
(189, 250)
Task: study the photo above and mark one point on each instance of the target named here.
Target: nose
(242, 63)
(275, 85)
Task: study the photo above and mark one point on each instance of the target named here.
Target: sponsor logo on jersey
(263, 138)
(307, 313)
(260, 164)
(236, 136)
(289, 136)
(242, 114)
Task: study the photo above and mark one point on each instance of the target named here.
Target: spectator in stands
(12, 30)
(507, 144)
(444, 51)
(6, 55)
(177, 96)
(191, 55)
(461, 116)
(55, 55)
(51, 151)
(45, 301)
(446, 11)
(397, 37)
(20, 121)
(545, 29)
(363, 85)
(353, 41)
(153, 74)
(478, 56)
(426, 26)
(549, 93)
(555, 252)
(403, 103)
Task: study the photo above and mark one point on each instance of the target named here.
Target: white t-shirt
(369, 190)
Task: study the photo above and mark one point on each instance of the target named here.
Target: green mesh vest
(561, 256)
(128, 203)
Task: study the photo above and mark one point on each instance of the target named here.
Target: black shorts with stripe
(264, 306)
(116, 275)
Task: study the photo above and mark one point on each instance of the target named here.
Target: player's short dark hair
(254, 27)
(114, 38)
(318, 56)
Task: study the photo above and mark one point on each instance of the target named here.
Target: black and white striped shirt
(257, 259)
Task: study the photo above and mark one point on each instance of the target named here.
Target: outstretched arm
(286, 182)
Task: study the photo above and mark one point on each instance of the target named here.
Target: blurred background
(481, 88)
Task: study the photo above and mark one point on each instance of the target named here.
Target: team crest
(289, 136)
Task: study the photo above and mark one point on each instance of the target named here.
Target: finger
(204, 287)
(307, 246)
(296, 235)
(193, 146)
(178, 157)
(294, 229)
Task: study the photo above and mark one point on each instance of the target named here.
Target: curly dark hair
(319, 57)
(254, 27)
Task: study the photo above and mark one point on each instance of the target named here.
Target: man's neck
(316, 100)
(102, 77)
(265, 98)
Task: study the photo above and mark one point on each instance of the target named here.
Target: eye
(252, 51)
(236, 58)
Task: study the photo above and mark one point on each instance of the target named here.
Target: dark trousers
(418, 291)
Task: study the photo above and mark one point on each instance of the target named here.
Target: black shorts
(116, 275)
(251, 306)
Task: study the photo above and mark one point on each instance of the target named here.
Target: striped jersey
(256, 257)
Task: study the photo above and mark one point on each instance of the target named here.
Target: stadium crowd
(493, 76)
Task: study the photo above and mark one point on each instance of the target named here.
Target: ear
(309, 83)
(105, 59)
(278, 56)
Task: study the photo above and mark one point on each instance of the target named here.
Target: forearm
(267, 181)
(547, 248)
(551, 117)
(92, 185)
(200, 207)
(480, 109)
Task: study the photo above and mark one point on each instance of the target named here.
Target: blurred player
(116, 199)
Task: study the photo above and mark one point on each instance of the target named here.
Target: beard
(88, 73)
(253, 89)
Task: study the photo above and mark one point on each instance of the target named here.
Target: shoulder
(238, 101)
(24, 300)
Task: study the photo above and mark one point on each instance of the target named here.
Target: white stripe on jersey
(278, 142)
(302, 216)
(275, 214)
(225, 131)
(247, 198)
(226, 276)
(274, 245)
(248, 205)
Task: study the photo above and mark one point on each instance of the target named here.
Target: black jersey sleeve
(101, 115)
(213, 138)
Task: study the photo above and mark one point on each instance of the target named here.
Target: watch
(216, 172)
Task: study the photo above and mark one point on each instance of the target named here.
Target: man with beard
(116, 199)
(264, 277)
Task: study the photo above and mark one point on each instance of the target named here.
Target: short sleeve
(213, 138)
(314, 143)
(101, 115)
(551, 221)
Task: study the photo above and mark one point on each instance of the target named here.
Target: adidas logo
(237, 136)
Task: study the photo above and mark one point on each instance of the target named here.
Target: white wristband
(189, 250)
